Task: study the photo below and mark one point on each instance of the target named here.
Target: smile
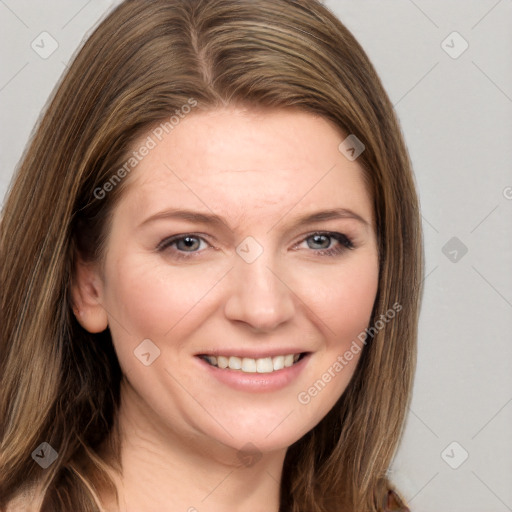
(249, 365)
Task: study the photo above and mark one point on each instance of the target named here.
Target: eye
(189, 245)
(328, 243)
(183, 246)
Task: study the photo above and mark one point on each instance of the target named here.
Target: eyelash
(344, 244)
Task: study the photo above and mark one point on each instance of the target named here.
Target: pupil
(189, 242)
(321, 240)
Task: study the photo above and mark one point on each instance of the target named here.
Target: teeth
(222, 362)
(249, 365)
(235, 363)
(278, 362)
(212, 360)
(264, 365)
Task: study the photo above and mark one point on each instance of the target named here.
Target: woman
(211, 266)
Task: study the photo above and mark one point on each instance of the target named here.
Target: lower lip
(256, 382)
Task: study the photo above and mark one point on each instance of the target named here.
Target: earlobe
(87, 291)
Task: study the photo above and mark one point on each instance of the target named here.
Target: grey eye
(319, 242)
(188, 243)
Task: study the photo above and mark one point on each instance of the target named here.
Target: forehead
(234, 162)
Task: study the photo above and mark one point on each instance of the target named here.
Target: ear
(87, 294)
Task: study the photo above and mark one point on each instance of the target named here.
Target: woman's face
(246, 237)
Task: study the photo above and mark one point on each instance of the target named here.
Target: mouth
(250, 365)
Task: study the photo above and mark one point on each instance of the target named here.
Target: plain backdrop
(447, 68)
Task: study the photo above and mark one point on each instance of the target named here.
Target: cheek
(343, 307)
(149, 298)
(344, 299)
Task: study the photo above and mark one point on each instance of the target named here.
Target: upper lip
(252, 354)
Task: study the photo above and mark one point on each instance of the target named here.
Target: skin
(182, 429)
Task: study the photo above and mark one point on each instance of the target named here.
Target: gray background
(456, 114)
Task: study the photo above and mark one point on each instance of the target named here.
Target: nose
(259, 295)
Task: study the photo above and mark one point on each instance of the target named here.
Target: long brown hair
(147, 59)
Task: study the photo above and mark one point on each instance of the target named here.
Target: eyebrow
(216, 220)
